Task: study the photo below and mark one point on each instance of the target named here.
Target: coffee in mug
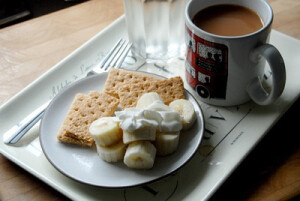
(227, 48)
(228, 20)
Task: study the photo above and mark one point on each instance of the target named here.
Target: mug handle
(255, 89)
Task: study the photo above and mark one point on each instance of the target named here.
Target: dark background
(15, 11)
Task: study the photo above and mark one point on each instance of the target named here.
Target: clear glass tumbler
(156, 28)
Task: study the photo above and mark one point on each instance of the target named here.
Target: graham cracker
(83, 111)
(168, 89)
(119, 77)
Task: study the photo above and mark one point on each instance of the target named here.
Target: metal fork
(114, 58)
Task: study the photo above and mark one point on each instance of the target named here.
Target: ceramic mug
(234, 73)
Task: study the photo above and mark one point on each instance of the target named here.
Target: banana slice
(147, 99)
(112, 153)
(186, 109)
(143, 133)
(105, 131)
(140, 155)
(166, 143)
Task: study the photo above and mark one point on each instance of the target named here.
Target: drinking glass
(156, 28)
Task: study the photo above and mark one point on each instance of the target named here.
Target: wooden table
(28, 49)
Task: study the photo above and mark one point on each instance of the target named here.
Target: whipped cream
(132, 119)
(159, 105)
(171, 121)
(157, 115)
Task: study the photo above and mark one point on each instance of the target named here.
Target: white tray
(231, 132)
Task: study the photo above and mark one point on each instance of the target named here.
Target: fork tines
(116, 55)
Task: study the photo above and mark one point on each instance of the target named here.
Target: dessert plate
(85, 166)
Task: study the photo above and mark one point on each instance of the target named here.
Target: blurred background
(15, 11)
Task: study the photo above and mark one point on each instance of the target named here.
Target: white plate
(84, 165)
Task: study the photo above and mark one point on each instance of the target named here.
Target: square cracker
(168, 89)
(83, 111)
(119, 77)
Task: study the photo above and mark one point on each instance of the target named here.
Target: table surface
(29, 49)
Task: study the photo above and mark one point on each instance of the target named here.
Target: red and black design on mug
(208, 61)
(227, 70)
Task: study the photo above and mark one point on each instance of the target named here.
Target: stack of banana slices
(137, 135)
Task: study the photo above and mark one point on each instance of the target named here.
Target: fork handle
(14, 134)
